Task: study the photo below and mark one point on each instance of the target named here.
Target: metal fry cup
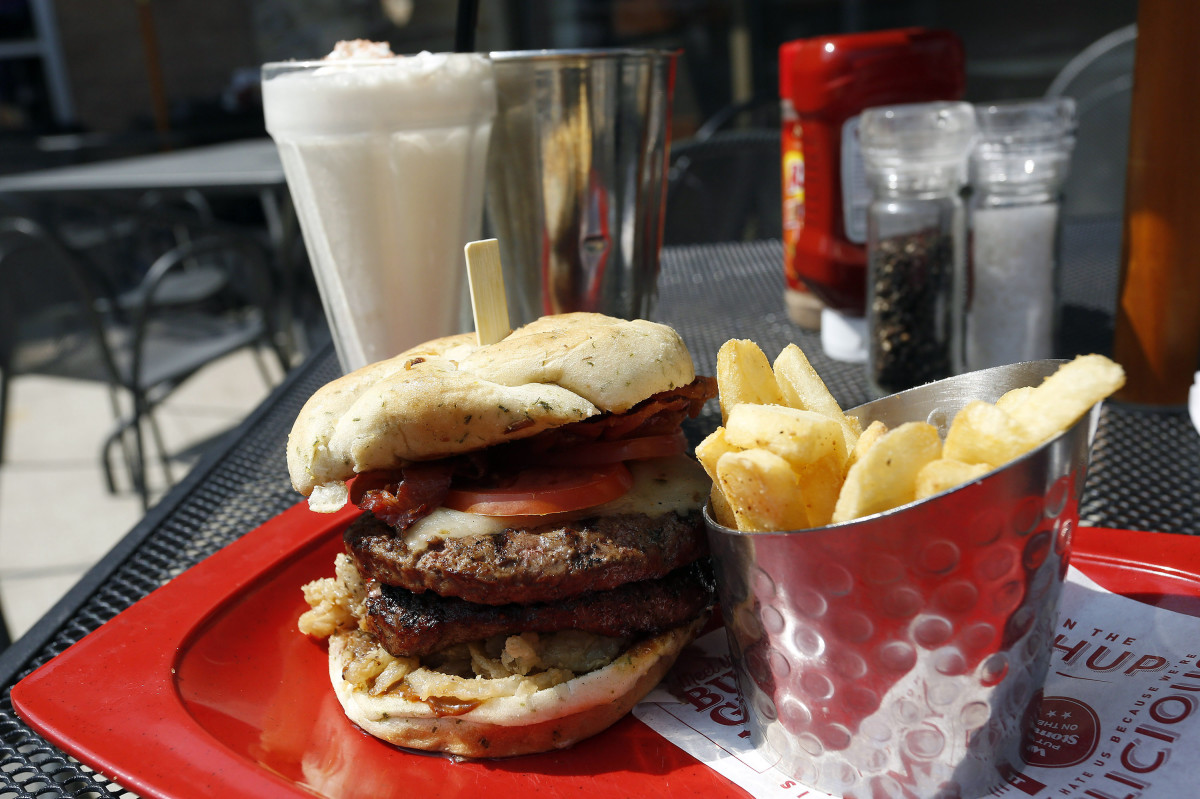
(894, 655)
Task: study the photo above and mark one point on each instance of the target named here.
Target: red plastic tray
(204, 688)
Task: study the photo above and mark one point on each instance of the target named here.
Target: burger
(531, 558)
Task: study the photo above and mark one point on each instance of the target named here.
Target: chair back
(50, 321)
(1100, 79)
(244, 310)
(725, 187)
(166, 220)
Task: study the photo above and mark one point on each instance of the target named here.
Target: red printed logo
(1059, 732)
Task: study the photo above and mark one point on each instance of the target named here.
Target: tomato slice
(540, 491)
(594, 453)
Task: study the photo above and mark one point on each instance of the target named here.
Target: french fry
(799, 437)
(722, 512)
(710, 450)
(867, 440)
(1067, 395)
(744, 375)
(886, 477)
(820, 484)
(803, 388)
(762, 490)
(1011, 399)
(982, 433)
(945, 473)
(788, 458)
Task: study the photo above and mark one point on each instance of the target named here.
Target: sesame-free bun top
(450, 396)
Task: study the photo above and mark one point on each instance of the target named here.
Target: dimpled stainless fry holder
(896, 655)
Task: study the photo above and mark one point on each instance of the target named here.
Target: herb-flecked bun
(450, 396)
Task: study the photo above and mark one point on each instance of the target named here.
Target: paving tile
(57, 517)
(228, 384)
(26, 599)
(55, 421)
(52, 516)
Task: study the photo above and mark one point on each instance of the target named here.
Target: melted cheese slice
(660, 485)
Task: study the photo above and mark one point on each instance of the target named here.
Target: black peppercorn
(911, 280)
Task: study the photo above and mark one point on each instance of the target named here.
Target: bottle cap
(917, 141)
(1024, 146)
(843, 337)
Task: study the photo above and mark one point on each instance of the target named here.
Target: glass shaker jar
(1017, 170)
(915, 157)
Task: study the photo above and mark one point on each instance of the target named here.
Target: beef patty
(410, 624)
(536, 565)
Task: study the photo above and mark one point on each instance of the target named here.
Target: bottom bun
(547, 719)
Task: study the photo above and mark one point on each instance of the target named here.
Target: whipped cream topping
(360, 49)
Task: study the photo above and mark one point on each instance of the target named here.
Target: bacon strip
(658, 414)
(399, 498)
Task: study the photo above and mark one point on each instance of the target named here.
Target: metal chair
(1100, 78)
(724, 187)
(144, 351)
(49, 318)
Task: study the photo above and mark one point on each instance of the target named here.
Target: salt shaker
(915, 156)
(1017, 170)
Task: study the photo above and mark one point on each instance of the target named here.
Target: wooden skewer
(488, 301)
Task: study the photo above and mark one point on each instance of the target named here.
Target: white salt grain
(1010, 316)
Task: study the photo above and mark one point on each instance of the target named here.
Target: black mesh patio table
(1145, 471)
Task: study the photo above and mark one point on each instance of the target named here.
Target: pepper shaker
(1017, 170)
(915, 157)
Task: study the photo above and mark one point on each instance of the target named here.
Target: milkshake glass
(385, 160)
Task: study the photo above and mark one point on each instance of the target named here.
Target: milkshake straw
(464, 28)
